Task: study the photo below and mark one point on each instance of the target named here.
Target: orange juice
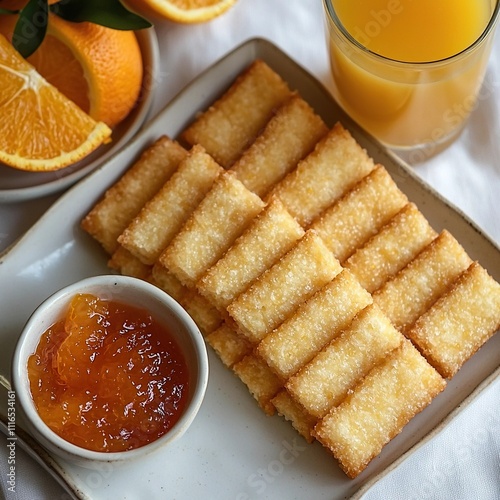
(409, 71)
(414, 30)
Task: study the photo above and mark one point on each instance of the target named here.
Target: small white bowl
(139, 294)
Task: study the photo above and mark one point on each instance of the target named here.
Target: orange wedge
(182, 11)
(98, 68)
(40, 128)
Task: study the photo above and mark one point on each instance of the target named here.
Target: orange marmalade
(108, 377)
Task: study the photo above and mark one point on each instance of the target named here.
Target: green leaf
(31, 27)
(8, 11)
(110, 13)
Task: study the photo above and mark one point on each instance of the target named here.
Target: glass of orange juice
(410, 71)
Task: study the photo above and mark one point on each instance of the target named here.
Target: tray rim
(256, 45)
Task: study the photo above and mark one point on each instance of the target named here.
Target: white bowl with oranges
(77, 99)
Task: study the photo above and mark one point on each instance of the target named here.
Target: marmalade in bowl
(108, 377)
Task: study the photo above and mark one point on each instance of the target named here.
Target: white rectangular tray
(233, 451)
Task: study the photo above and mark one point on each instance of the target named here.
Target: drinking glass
(414, 108)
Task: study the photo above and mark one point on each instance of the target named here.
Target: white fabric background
(463, 462)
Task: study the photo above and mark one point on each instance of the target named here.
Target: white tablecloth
(463, 461)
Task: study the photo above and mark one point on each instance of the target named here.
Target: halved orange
(182, 11)
(98, 68)
(40, 128)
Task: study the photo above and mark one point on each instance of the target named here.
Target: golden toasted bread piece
(394, 246)
(164, 279)
(232, 123)
(124, 199)
(163, 216)
(127, 264)
(302, 421)
(229, 345)
(313, 325)
(379, 407)
(460, 321)
(260, 380)
(273, 232)
(340, 366)
(417, 286)
(360, 214)
(290, 135)
(275, 295)
(222, 216)
(204, 314)
(335, 165)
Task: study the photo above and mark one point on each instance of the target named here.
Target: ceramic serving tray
(233, 450)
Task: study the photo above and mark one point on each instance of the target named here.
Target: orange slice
(182, 11)
(98, 68)
(40, 128)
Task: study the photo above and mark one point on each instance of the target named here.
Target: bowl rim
(20, 380)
